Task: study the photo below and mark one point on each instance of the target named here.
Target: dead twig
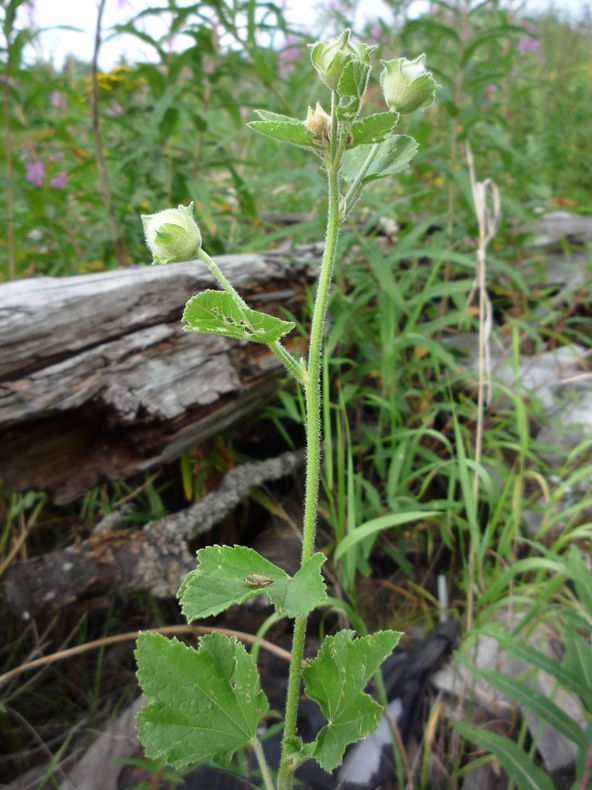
(130, 635)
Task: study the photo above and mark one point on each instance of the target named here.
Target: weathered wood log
(154, 558)
(98, 380)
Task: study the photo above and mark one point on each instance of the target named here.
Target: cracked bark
(98, 380)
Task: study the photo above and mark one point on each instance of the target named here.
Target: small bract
(172, 234)
(407, 84)
(319, 123)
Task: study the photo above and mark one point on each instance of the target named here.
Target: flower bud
(407, 85)
(319, 123)
(330, 58)
(172, 234)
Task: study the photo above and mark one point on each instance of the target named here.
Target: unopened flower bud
(330, 58)
(407, 85)
(172, 234)
(319, 123)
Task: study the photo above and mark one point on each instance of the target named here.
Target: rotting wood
(154, 558)
(98, 380)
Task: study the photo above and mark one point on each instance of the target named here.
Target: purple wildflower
(35, 172)
(490, 90)
(291, 47)
(170, 42)
(60, 181)
(58, 101)
(114, 110)
(527, 44)
(288, 53)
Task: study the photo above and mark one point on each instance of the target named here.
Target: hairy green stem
(281, 353)
(260, 755)
(290, 363)
(203, 256)
(312, 390)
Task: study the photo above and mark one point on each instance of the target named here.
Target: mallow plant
(204, 704)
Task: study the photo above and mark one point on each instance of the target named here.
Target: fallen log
(155, 558)
(98, 380)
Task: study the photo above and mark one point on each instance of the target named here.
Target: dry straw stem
(131, 635)
(488, 215)
(486, 199)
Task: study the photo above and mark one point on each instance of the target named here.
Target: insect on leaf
(227, 575)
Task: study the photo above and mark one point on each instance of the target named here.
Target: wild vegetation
(409, 425)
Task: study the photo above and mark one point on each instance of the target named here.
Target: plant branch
(290, 363)
(313, 436)
(203, 256)
(353, 193)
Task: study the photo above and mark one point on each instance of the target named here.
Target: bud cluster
(344, 67)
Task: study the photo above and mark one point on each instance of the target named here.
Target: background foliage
(401, 430)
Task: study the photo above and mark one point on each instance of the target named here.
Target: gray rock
(559, 225)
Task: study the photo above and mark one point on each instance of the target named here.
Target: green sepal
(392, 155)
(373, 128)
(335, 679)
(354, 77)
(216, 312)
(283, 128)
(221, 580)
(203, 704)
(330, 57)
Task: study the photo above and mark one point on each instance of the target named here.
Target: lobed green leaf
(391, 156)
(267, 115)
(335, 679)
(203, 704)
(217, 313)
(221, 580)
(283, 128)
(373, 128)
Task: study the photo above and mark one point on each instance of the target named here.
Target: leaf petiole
(284, 356)
(351, 197)
(264, 767)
